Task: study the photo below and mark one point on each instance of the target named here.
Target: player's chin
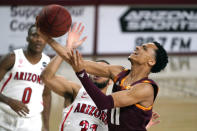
(129, 58)
(132, 58)
(38, 49)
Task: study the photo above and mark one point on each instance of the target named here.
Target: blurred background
(114, 28)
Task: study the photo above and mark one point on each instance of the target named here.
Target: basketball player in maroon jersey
(134, 93)
(64, 53)
(14, 100)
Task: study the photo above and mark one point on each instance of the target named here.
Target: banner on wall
(15, 21)
(122, 31)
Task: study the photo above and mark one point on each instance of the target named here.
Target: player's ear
(151, 62)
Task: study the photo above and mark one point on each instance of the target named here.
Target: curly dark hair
(161, 58)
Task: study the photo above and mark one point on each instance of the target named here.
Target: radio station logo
(159, 20)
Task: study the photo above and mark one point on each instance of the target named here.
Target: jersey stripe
(62, 127)
(117, 116)
(6, 82)
(112, 115)
(143, 108)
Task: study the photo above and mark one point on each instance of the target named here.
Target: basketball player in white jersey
(80, 114)
(22, 93)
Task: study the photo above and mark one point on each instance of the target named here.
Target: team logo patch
(20, 63)
(44, 64)
(84, 95)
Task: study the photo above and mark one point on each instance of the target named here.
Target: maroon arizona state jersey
(130, 118)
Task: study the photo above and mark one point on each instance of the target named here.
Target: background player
(22, 93)
(134, 93)
(80, 112)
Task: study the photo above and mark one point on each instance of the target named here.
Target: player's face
(143, 54)
(36, 42)
(100, 82)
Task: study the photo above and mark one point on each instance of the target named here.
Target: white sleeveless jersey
(83, 115)
(23, 83)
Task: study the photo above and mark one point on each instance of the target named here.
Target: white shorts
(12, 123)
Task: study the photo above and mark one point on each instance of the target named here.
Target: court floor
(176, 114)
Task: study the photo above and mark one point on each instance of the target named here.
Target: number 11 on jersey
(115, 115)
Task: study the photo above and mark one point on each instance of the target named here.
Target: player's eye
(35, 35)
(144, 47)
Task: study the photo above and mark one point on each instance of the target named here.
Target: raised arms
(72, 42)
(57, 83)
(95, 68)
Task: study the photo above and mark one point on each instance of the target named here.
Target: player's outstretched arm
(5, 65)
(101, 70)
(72, 42)
(57, 83)
(95, 68)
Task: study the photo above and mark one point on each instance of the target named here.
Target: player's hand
(154, 120)
(76, 61)
(74, 34)
(19, 107)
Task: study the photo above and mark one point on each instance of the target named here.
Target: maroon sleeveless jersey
(130, 118)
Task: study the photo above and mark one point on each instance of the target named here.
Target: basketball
(54, 20)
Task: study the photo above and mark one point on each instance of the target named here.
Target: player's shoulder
(75, 91)
(145, 88)
(10, 55)
(120, 73)
(46, 57)
(18, 50)
(116, 70)
(8, 60)
(143, 85)
(76, 88)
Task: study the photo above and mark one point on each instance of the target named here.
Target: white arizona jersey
(83, 115)
(23, 83)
